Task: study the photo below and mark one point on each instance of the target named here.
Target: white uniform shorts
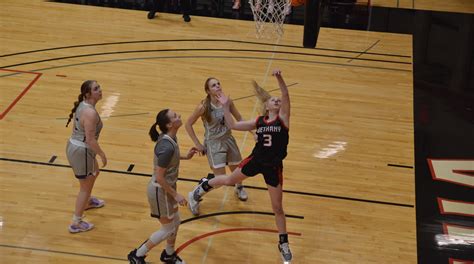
(161, 203)
(222, 152)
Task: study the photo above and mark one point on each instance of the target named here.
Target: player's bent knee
(165, 231)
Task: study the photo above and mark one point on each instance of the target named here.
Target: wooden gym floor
(349, 183)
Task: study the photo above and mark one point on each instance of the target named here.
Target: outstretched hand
(180, 199)
(223, 99)
(192, 151)
(201, 149)
(276, 73)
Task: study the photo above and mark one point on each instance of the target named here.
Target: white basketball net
(269, 16)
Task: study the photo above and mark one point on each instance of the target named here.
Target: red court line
(192, 240)
(13, 103)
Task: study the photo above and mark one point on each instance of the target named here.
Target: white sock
(76, 219)
(169, 249)
(142, 251)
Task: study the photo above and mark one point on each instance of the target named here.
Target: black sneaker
(151, 14)
(134, 259)
(171, 259)
(186, 18)
(285, 252)
(210, 176)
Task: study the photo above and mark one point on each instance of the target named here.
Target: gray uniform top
(216, 128)
(78, 132)
(166, 156)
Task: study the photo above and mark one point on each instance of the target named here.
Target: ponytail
(262, 95)
(206, 103)
(153, 133)
(73, 110)
(161, 120)
(85, 88)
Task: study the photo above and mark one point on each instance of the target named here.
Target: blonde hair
(206, 103)
(262, 95)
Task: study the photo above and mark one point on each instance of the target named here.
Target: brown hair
(85, 88)
(162, 120)
(206, 103)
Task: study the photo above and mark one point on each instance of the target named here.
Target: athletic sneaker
(285, 252)
(193, 204)
(134, 259)
(82, 226)
(151, 14)
(210, 176)
(95, 202)
(202, 180)
(171, 259)
(186, 18)
(240, 192)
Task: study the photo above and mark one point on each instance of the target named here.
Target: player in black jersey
(266, 158)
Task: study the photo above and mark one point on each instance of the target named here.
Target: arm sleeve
(164, 152)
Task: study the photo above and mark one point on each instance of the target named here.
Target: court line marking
(27, 88)
(212, 57)
(60, 252)
(52, 159)
(183, 222)
(236, 212)
(193, 40)
(240, 229)
(400, 166)
(123, 115)
(365, 51)
(199, 50)
(246, 186)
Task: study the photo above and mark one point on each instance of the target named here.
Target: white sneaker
(95, 202)
(82, 226)
(193, 204)
(240, 192)
(174, 258)
(285, 252)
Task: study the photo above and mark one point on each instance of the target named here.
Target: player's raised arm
(239, 125)
(285, 97)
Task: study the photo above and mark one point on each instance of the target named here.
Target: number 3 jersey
(272, 140)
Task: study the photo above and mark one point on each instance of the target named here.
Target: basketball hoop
(269, 16)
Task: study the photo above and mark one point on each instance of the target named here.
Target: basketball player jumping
(266, 157)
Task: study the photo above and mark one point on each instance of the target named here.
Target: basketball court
(348, 179)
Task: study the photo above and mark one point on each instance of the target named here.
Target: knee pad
(165, 231)
(175, 225)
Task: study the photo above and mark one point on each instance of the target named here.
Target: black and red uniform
(269, 151)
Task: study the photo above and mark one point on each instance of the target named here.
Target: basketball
(298, 2)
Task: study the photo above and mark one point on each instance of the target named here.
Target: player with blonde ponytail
(219, 145)
(267, 156)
